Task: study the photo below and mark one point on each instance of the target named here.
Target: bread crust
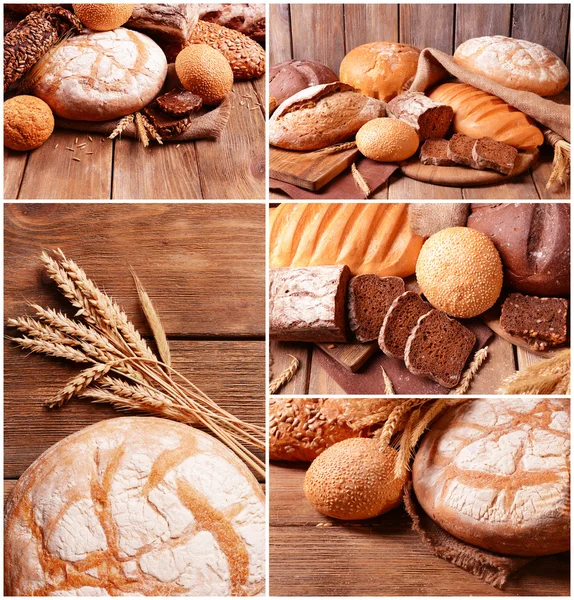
(290, 77)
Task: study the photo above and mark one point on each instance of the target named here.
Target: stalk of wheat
(120, 367)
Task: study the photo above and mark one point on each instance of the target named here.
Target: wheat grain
(141, 129)
(359, 180)
(389, 389)
(470, 372)
(124, 122)
(79, 383)
(286, 376)
(396, 415)
(51, 349)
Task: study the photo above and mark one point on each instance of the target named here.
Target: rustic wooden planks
(545, 24)
(416, 29)
(370, 558)
(366, 23)
(14, 166)
(476, 20)
(280, 48)
(203, 265)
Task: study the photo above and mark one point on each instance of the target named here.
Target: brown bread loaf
(307, 304)
(301, 428)
(248, 19)
(439, 347)
(534, 317)
(166, 22)
(399, 322)
(428, 118)
(369, 299)
(321, 116)
(292, 76)
(490, 154)
(533, 240)
(460, 150)
(435, 152)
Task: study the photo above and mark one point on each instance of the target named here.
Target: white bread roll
(135, 506)
(517, 64)
(381, 70)
(101, 76)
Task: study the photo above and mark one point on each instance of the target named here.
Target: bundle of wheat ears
(123, 371)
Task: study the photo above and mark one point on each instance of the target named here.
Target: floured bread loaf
(496, 473)
(101, 76)
(135, 506)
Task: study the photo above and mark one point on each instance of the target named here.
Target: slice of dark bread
(439, 347)
(490, 154)
(460, 150)
(536, 318)
(399, 322)
(369, 298)
(435, 152)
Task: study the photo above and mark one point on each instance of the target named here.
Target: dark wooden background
(326, 32)
(203, 265)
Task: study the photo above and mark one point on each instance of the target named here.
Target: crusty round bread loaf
(302, 428)
(479, 114)
(368, 238)
(496, 473)
(135, 506)
(533, 241)
(292, 76)
(516, 64)
(387, 140)
(101, 76)
(381, 70)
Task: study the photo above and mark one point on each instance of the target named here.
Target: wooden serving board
(464, 176)
(492, 319)
(308, 170)
(352, 355)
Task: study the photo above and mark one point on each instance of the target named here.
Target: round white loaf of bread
(496, 473)
(101, 76)
(135, 506)
(517, 64)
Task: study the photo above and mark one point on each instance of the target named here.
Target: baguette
(301, 428)
(478, 114)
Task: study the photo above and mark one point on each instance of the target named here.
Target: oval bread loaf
(517, 64)
(479, 114)
(387, 140)
(292, 76)
(369, 238)
(321, 116)
(495, 473)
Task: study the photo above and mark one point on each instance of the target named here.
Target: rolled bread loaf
(321, 116)
(517, 64)
(301, 428)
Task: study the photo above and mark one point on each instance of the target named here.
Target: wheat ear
(285, 376)
(124, 122)
(471, 371)
(396, 415)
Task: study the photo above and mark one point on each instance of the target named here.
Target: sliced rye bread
(542, 321)
(369, 298)
(460, 150)
(490, 154)
(439, 347)
(435, 152)
(399, 322)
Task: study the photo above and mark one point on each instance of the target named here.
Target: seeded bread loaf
(301, 428)
(533, 240)
(321, 116)
(495, 473)
(435, 152)
(490, 154)
(533, 317)
(369, 238)
(438, 347)
(369, 299)
(400, 320)
(307, 304)
(479, 114)
(428, 118)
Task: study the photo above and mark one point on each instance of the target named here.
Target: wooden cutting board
(351, 355)
(308, 170)
(464, 176)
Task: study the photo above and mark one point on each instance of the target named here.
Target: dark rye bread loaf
(439, 347)
(308, 304)
(460, 150)
(490, 154)
(399, 322)
(435, 152)
(369, 299)
(428, 118)
(534, 317)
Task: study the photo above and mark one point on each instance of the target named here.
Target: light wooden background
(122, 169)
(203, 265)
(326, 32)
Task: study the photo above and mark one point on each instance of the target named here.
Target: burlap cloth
(435, 66)
(493, 568)
(206, 124)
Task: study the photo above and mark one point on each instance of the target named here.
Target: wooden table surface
(121, 169)
(203, 265)
(312, 555)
